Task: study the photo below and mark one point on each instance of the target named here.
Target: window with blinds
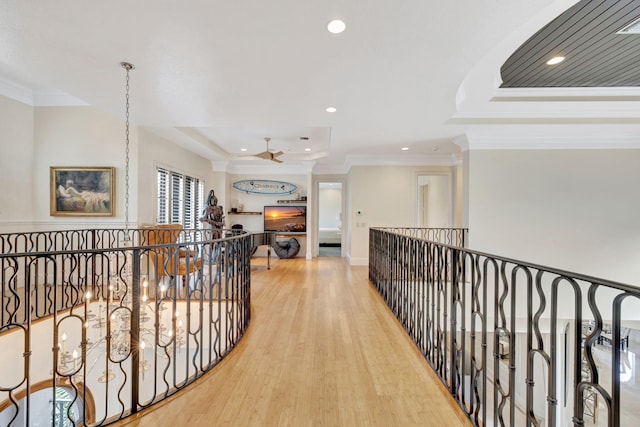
(180, 198)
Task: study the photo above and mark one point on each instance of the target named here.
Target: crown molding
(462, 141)
(533, 143)
(567, 94)
(330, 169)
(263, 167)
(536, 138)
(219, 166)
(400, 160)
(40, 98)
(16, 92)
(253, 168)
(55, 98)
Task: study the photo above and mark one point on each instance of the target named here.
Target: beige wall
(572, 209)
(34, 139)
(16, 163)
(438, 205)
(384, 196)
(81, 136)
(459, 196)
(156, 151)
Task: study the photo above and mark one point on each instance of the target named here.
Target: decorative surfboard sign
(263, 186)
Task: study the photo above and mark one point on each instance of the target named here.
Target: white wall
(16, 163)
(330, 208)
(572, 209)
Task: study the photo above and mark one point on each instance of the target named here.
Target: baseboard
(60, 224)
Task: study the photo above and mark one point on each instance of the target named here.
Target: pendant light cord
(128, 67)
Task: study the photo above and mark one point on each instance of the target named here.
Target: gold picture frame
(82, 191)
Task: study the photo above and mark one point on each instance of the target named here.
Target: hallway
(322, 350)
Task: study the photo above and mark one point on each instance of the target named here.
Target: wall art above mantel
(263, 186)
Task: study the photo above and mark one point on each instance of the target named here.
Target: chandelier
(108, 323)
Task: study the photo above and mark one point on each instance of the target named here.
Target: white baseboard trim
(63, 224)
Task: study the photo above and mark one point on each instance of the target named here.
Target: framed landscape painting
(82, 191)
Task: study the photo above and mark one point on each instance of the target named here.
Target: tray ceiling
(586, 35)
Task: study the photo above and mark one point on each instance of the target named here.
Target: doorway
(434, 201)
(330, 227)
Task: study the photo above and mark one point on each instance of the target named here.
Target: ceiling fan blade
(264, 155)
(268, 155)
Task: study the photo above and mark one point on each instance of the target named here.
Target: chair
(235, 230)
(164, 258)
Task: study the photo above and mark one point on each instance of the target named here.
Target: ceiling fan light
(331, 109)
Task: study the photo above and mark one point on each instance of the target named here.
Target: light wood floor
(322, 350)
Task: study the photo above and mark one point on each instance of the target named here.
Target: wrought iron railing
(516, 344)
(107, 322)
(448, 236)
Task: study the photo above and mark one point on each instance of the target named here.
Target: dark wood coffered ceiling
(586, 35)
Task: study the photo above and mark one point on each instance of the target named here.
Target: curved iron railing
(108, 322)
(517, 344)
(448, 236)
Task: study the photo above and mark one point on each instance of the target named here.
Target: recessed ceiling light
(307, 149)
(243, 149)
(405, 148)
(331, 109)
(555, 60)
(336, 26)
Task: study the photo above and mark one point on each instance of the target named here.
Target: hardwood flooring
(322, 350)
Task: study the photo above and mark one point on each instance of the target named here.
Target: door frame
(346, 226)
(448, 197)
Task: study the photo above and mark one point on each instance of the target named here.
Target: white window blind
(177, 209)
(163, 196)
(180, 198)
(189, 199)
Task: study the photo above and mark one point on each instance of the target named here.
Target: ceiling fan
(268, 155)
